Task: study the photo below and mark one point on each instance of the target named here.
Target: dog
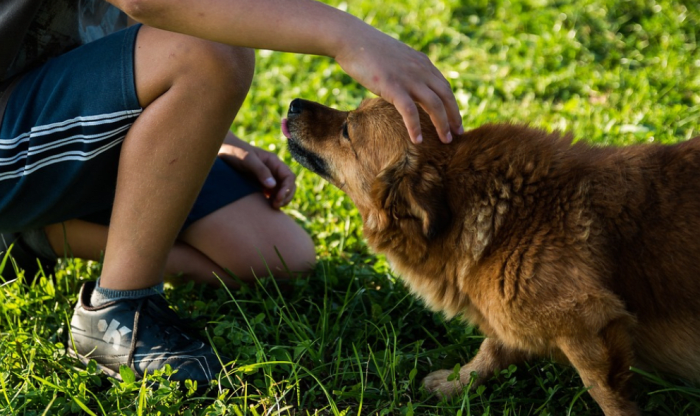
(552, 248)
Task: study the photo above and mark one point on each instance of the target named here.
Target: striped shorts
(61, 137)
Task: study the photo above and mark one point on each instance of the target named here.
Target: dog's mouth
(305, 157)
(285, 128)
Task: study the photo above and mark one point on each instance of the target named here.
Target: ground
(350, 339)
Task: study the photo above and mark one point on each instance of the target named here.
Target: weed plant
(350, 339)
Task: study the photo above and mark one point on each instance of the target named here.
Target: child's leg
(190, 90)
(241, 237)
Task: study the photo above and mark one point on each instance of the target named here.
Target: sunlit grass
(350, 339)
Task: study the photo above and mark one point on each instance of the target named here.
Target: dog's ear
(408, 191)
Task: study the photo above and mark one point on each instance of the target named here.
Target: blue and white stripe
(77, 139)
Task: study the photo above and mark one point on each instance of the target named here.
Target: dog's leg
(603, 360)
(492, 356)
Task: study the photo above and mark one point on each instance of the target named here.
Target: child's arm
(382, 64)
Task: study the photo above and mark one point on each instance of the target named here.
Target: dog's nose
(295, 106)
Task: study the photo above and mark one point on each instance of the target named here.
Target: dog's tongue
(285, 130)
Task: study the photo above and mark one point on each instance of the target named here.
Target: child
(119, 133)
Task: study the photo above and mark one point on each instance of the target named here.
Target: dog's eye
(345, 131)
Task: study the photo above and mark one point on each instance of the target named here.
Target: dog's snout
(296, 106)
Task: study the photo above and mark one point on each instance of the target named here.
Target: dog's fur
(586, 253)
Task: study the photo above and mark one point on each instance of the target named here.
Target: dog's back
(632, 214)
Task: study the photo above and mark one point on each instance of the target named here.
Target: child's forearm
(302, 26)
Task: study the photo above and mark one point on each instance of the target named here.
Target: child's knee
(301, 257)
(164, 60)
(220, 69)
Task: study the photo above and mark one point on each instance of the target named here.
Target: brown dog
(590, 254)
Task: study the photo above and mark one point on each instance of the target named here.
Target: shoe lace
(174, 326)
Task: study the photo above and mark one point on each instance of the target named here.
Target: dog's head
(368, 154)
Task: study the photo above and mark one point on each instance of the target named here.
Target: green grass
(350, 339)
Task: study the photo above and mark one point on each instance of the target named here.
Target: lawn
(350, 339)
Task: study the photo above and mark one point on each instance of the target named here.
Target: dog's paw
(438, 382)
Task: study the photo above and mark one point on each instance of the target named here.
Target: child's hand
(274, 175)
(402, 76)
